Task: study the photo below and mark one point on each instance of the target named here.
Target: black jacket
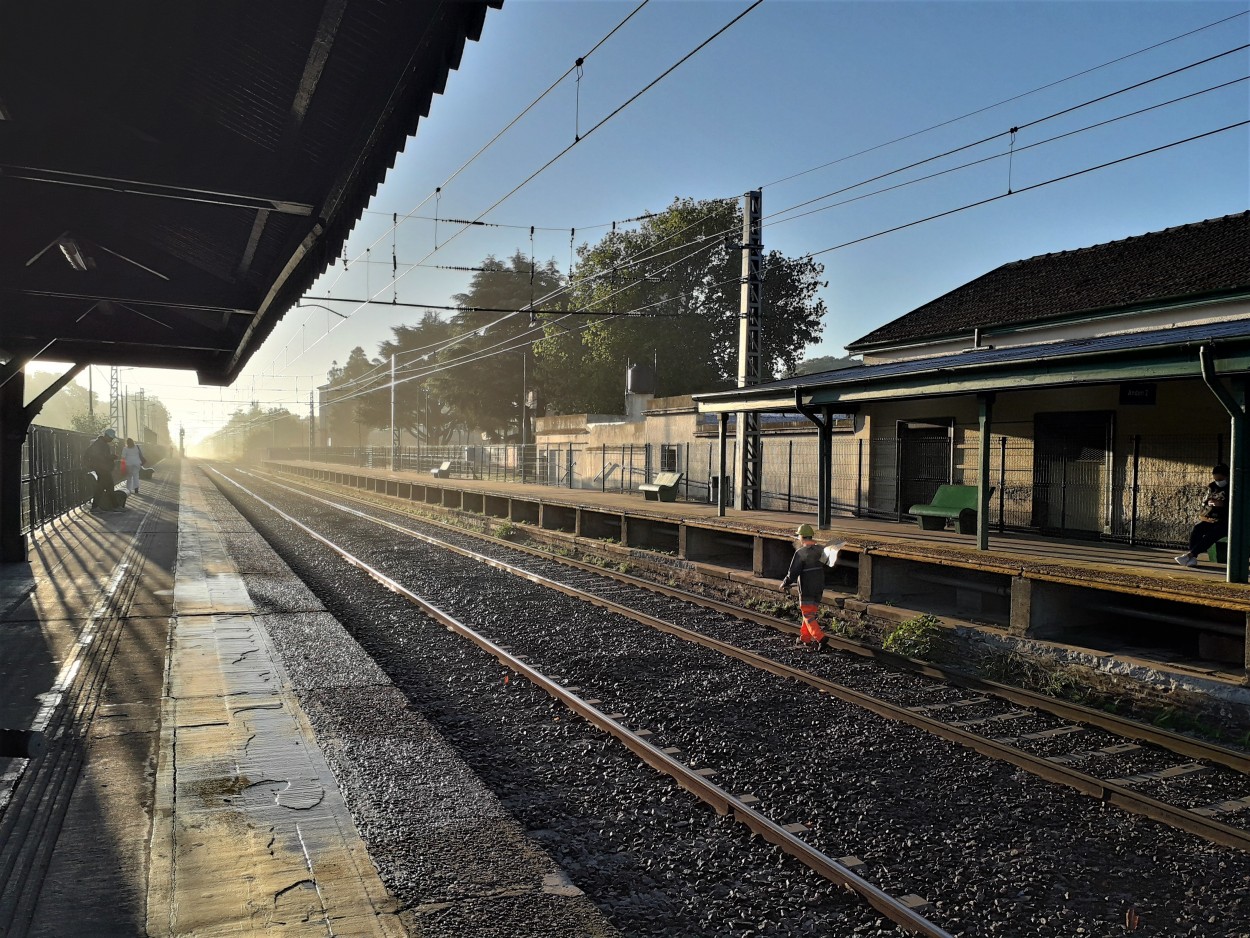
(807, 570)
(1215, 504)
(99, 456)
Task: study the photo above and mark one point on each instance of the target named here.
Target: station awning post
(722, 442)
(823, 419)
(13, 427)
(1234, 404)
(985, 414)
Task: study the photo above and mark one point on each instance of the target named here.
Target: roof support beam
(31, 410)
(249, 252)
(327, 29)
(154, 189)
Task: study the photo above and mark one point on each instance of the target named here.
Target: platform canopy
(1153, 355)
(174, 176)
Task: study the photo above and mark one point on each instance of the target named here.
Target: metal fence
(53, 478)
(1137, 489)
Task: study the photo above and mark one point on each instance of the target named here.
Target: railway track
(1051, 739)
(903, 911)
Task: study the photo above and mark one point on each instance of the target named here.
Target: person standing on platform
(808, 570)
(99, 459)
(132, 459)
(1212, 518)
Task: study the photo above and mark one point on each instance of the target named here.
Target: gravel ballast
(998, 851)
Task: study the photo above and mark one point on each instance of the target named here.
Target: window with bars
(668, 457)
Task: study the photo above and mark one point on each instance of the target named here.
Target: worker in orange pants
(808, 570)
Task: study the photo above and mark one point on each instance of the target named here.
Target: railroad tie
(1172, 771)
(1223, 807)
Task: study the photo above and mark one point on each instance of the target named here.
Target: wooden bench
(443, 471)
(950, 502)
(664, 488)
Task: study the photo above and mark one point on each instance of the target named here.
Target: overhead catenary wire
(1029, 188)
(515, 120)
(1008, 100)
(772, 219)
(648, 254)
(1032, 123)
(1083, 72)
(555, 158)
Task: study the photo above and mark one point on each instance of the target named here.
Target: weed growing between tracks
(915, 637)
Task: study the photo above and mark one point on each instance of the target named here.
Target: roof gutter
(1212, 380)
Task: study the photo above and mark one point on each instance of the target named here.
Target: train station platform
(1101, 598)
(166, 777)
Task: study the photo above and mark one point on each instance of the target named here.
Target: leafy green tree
(813, 366)
(419, 407)
(249, 434)
(91, 424)
(348, 407)
(479, 378)
(670, 293)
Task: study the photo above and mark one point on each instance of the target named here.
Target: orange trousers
(811, 631)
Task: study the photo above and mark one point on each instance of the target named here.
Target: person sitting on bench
(1212, 519)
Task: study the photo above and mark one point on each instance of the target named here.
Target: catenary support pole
(985, 413)
(750, 352)
(394, 426)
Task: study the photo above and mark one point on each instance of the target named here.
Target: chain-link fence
(1069, 482)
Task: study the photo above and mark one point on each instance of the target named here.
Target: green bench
(1218, 552)
(950, 502)
(664, 488)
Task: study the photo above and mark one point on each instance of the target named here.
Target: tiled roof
(1201, 259)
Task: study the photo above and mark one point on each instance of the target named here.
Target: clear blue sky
(792, 85)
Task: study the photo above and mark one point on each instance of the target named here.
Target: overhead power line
(1023, 189)
(1003, 133)
(1015, 97)
(773, 220)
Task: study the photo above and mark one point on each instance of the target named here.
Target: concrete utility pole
(182, 442)
(143, 415)
(312, 426)
(750, 352)
(394, 426)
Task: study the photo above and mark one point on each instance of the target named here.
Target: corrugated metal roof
(1000, 358)
(228, 146)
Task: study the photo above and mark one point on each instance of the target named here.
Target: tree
(485, 390)
(92, 424)
(670, 293)
(813, 366)
(346, 400)
(248, 434)
(419, 407)
(65, 406)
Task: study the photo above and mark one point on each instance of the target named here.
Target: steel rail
(899, 911)
(1110, 792)
(1120, 726)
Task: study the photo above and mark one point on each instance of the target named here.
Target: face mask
(1221, 483)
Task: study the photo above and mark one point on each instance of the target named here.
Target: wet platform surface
(183, 789)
